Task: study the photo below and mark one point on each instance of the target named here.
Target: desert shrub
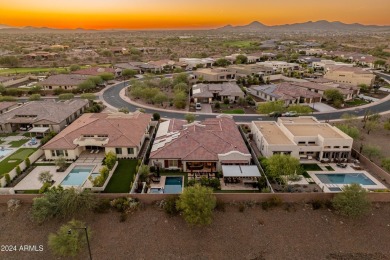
(220, 205)
(125, 205)
(59, 202)
(217, 105)
(226, 101)
(316, 204)
(241, 207)
(169, 205)
(352, 202)
(197, 204)
(272, 203)
(27, 162)
(69, 240)
(102, 206)
(156, 116)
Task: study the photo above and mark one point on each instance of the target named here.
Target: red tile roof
(123, 130)
(202, 141)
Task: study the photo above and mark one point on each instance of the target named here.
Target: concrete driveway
(321, 107)
(206, 108)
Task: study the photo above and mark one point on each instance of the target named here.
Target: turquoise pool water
(173, 185)
(345, 178)
(77, 176)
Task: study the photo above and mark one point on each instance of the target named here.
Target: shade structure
(40, 130)
(240, 171)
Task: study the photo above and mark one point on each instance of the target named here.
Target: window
(130, 150)
(172, 163)
(53, 153)
(337, 147)
(60, 152)
(118, 150)
(326, 147)
(345, 146)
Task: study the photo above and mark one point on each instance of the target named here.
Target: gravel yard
(297, 233)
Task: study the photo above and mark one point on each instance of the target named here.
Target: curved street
(112, 97)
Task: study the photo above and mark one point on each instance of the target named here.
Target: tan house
(51, 115)
(349, 75)
(215, 74)
(287, 92)
(207, 93)
(123, 134)
(251, 69)
(302, 138)
(63, 81)
(200, 146)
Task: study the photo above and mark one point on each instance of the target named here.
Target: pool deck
(31, 182)
(338, 170)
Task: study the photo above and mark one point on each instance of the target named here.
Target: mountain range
(307, 26)
(321, 25)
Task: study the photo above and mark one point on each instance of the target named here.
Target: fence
(227, 198)
(371, 166)
(255, 159)
(33, 157)
(135, 182)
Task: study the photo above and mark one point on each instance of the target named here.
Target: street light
(86, 234)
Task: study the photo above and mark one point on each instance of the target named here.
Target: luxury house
(286, 92)
(349, 75)
(63, 81)
(215, 74)
(47, 115)
(207, 93)
(301, 137)
(123, 134)
(200, 146)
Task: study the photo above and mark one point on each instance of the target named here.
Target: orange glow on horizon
(176, 14)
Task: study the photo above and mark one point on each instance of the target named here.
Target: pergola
(247, 174)
(39, 130)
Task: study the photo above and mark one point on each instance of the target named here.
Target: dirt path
(298, 233)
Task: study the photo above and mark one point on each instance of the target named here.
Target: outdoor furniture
(92, 151)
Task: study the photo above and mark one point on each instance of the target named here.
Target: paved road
(111, 96)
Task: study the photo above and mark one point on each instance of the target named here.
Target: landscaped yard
(309, 167)
(122, 177)
(18, 143)
(356, 102)
(9, 163)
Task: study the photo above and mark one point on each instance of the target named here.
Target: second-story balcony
(91, 141)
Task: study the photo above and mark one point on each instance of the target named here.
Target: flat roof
(240, 171)
(39, 130)
(272, 133)
(322, 129)
(302, 120)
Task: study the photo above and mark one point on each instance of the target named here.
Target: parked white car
(198, 106)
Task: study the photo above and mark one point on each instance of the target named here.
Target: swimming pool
(5, 152)
(345, 178)
(173, 185)
(77, 176)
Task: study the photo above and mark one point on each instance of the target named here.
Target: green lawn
(8, 134)
(18, 143)
(39, 70)
(16, 158)
(311, 167)
(240, 44)
(356, 102)
(29, 134)
(329, 168)
(122, 177)
(234, 111)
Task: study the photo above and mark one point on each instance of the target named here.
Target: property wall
(124, 154)
(228, 198)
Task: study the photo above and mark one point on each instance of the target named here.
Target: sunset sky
(172, 14)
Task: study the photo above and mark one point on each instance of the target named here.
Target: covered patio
(240, 177)
(39, 131)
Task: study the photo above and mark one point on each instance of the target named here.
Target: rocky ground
(294, 232)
